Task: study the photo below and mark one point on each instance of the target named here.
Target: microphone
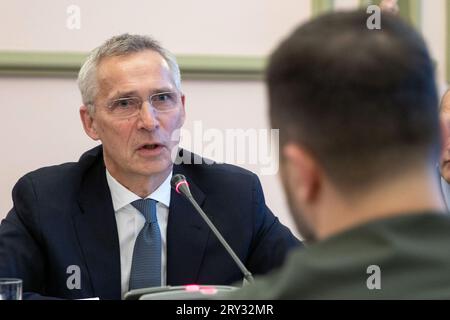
(181, 186)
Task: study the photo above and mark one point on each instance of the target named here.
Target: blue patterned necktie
(146, 264)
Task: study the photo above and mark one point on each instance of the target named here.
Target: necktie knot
(148, 209)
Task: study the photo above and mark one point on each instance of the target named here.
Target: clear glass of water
(10, 289)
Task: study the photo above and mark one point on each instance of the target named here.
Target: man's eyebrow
(162, 89)
(133, 93)
(122, 94)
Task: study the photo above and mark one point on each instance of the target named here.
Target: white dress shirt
(130, 222)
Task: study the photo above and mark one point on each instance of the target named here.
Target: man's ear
(88, 123)
(303, 173)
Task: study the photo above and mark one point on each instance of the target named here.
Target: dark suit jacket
(63, 216)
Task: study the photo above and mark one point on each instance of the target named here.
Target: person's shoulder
(202, 168)
(285, 282)
(267, 287)
(194, 163)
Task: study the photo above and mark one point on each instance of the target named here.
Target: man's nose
(147, 116)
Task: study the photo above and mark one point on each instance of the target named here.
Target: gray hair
(116, 46)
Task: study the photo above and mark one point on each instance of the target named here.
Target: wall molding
(321, 6)
(412, 11)
(67, 64)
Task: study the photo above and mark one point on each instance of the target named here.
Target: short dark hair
(363, 102)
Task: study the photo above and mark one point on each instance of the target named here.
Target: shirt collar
(121, 196)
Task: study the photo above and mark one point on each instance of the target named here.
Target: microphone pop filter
(180, 185)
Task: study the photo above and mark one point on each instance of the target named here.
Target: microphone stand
(247, 274)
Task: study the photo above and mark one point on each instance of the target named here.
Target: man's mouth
(151, 146)
(150, 149)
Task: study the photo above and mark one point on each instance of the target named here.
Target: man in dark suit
(110, 222)
(360, 139)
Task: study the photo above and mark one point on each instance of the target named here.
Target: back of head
(362, 102)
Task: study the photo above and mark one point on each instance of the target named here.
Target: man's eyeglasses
(130, 106)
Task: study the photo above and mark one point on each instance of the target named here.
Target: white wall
(433, 28)
(184, 26)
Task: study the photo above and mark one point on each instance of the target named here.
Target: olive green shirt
(411, 252)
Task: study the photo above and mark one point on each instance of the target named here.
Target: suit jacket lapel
(97, 233)
(187, 236)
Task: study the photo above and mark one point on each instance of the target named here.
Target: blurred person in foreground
(360, 138)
